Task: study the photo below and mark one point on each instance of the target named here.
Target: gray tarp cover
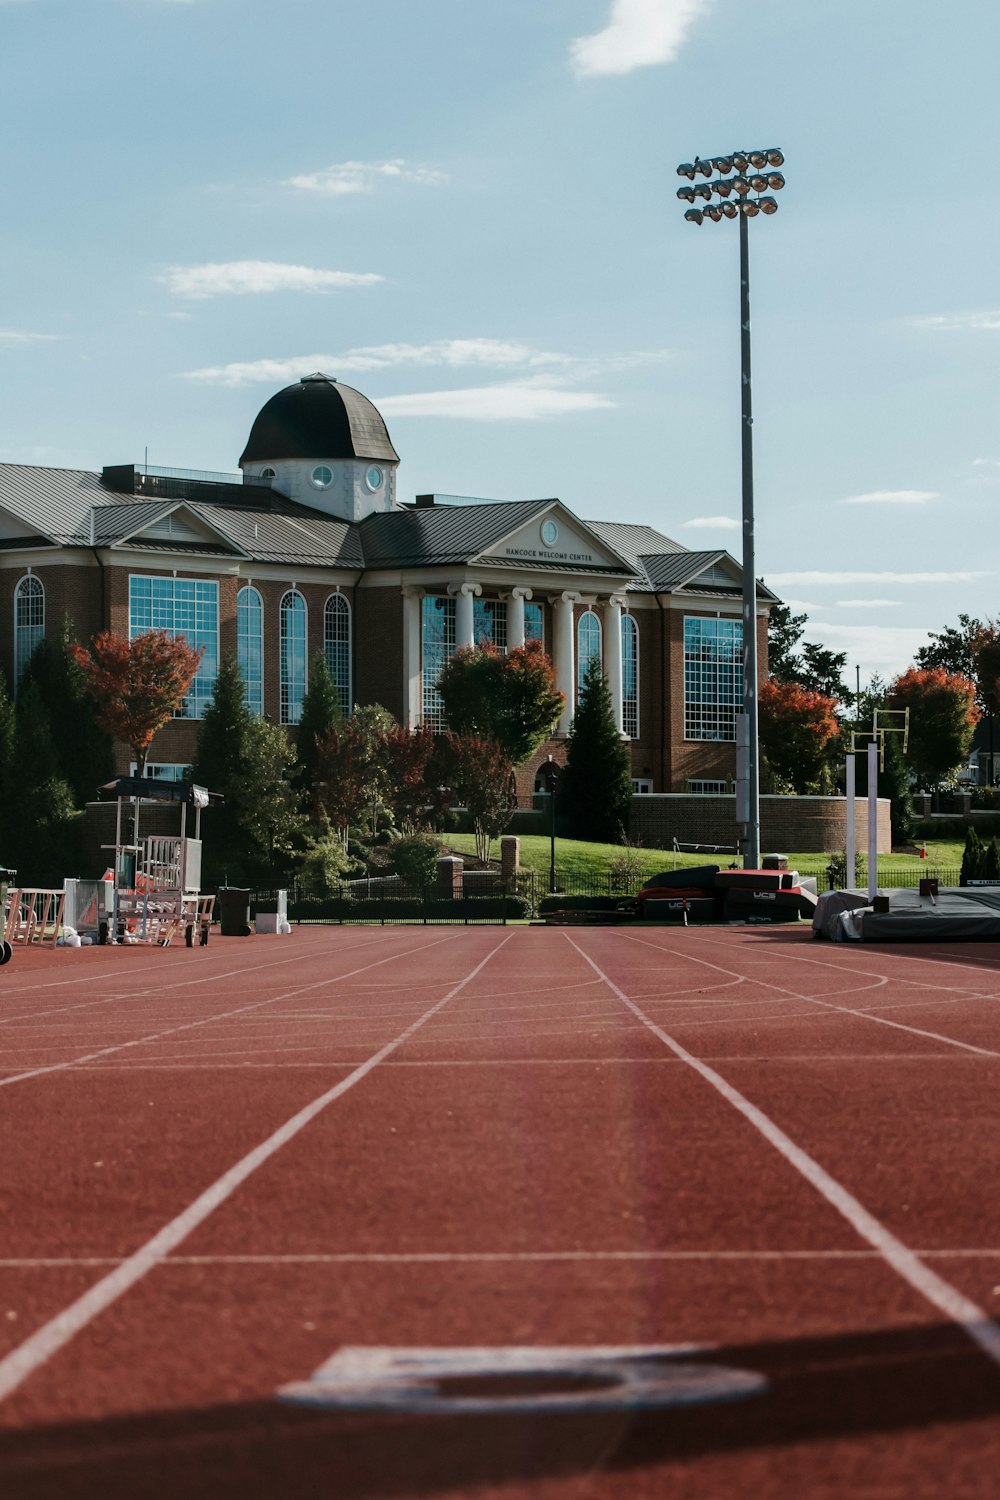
(957, 916)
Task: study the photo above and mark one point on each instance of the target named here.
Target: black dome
(318, 418)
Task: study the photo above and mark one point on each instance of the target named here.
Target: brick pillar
(449, 877)
(510, 856)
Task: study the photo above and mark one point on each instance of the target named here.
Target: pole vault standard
(899, 723)
(756, 173)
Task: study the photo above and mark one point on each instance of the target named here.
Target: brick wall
(804, 825)
(378, 650)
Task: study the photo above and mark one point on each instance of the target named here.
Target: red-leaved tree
(797, 729)
(943, 717)
(483, 779)
(341, 785)
(138, 684)
(407, 754)
(510, 698)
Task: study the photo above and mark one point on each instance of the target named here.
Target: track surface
(220, 1165)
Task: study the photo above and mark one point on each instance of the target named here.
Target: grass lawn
(582, 861)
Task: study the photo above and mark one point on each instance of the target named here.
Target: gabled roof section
(175, 523)
(412, 536)
(633, 542)
(487, 534)
(54, 503)
(711, 573)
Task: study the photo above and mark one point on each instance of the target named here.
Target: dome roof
(318, 418)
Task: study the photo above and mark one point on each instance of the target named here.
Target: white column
(515, 617)
(851, 878)
(565, 656)
(412, 680)
(873, 760)
(464, 594)
(613, 655)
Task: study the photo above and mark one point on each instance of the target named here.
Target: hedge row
(407, 909)
(549, 904)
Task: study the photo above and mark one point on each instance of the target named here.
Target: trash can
(7, 879)
(234, 911)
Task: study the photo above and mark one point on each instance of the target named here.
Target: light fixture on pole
(755, 175)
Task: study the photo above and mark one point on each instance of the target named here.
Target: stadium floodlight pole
(755, 173)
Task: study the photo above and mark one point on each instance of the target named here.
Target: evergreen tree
(84, 751)
(7, 733)
(894, 783)
(596, 785)
(991, 861)
(321, 712)
(250, 839)
(973, 856)
(40, 826)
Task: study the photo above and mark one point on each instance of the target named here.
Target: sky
(468, 211)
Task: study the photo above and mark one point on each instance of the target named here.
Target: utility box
(234, 911)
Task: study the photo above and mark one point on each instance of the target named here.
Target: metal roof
(62, 504)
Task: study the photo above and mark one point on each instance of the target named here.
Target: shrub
(414, 858)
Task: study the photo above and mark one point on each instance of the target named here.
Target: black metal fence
(487, 898)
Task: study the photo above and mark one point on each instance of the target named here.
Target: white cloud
(714, 523)
(885, 649)
(959, 322)
(516, 402)
(892, 497)
(776, 580)
(868, 603)
(497, 354)
(240, 277)
(18, 337)
(801, 604)
(639, 33)
(348, 177)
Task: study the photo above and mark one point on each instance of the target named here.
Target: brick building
(308, 549)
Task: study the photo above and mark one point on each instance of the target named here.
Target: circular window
(550, 533)
(373, 478)
(322, 477)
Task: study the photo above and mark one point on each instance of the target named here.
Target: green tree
(595, 789)
(943, 717)
(371, 725)
(822, 671)
(973, 856)
(84, 750)
(510, 698)
(321, 712)
(8, 727)
(254, 836)
(40, 825)
(953, 649)
(784, 631)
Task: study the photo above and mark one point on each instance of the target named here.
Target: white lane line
(486, 1257)
(948, 1300)
(54, 1335)
(770, 1059)
(848, 965)
(189, 982)
(845, 1010)
(143, 1041)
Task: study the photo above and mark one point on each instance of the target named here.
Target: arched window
(29, 622)
(588, 646)
(293, 638)
(630, 677)
(337, 646)
(250, 646)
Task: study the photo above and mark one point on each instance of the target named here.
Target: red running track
(219, 1166)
